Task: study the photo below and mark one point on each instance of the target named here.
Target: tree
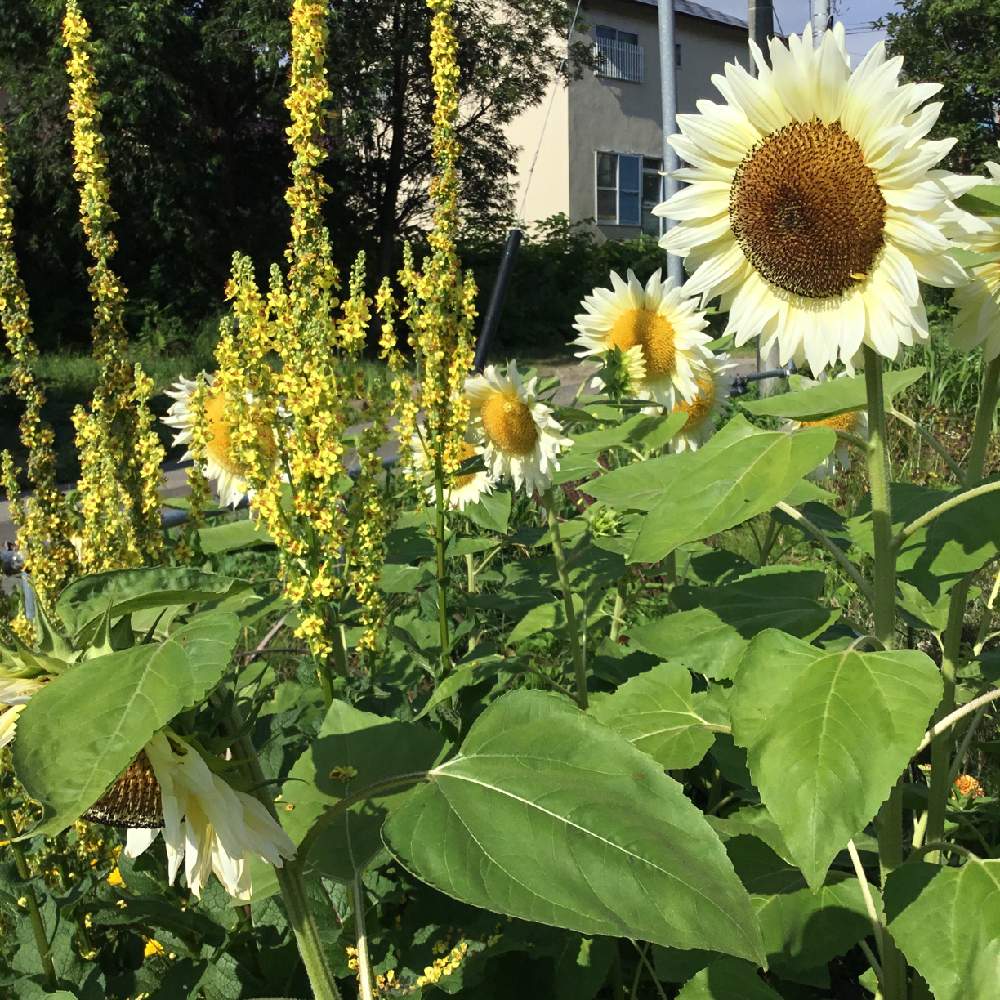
(195, 127)
(955, 42)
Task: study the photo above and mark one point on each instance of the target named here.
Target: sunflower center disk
(806, 210)
(846, 422)
(219, 446)
(509, 424)
(652, 333)
(700, 407)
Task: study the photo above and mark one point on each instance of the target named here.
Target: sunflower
(15, 692)
(812, 205)
(978, 303)
(658, 328)
(221, 465)
(713, 384)
(463, 488)
(852, 422)
(208, 825)
(519, 435)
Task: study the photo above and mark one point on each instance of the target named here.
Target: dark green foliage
(955, 42)
(195, 128)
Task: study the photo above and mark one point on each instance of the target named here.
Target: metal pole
(760, 22)
(668, 102)
(821, 16)
(497, 299)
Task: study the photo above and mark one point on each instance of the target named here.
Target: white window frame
(621, 58)
(617, 188)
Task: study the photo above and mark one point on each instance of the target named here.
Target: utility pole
(821, 19)
(668, 102)
(760, 22)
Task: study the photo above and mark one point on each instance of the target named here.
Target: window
(628, 186)
(677, 54)
(619, 54)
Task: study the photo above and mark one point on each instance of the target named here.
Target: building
(601, 135)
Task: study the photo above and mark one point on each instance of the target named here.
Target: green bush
(558, 264)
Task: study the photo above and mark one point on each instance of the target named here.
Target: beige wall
(548, 187)
(595, 113)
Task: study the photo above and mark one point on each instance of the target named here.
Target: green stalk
(290, 880)
(34, 913)
(951, 640)
(890, 819)
(361, 936)
(442, 569)
(579, 662)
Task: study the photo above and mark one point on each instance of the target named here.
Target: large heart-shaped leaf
(84, 727)
(718, 488)
(657, 713)
(547, 815)
(947, 923)
(85, 602)
(837, 395)
(727, 979)
(827, 736)
(353, 750)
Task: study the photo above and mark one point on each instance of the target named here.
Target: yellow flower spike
(43, 524)
(291, 360)
(120, 454)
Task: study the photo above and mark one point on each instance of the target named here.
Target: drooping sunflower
(713, 382)
(221, 464)
(659, 328)
(209, 826)
(978, 302)
(520, 437)
(813, 207)
(463, 488)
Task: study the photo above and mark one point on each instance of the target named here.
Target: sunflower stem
(290, 879)
(951, 639)
(361, 936)
(34, 912)
(579, 662)
(442, 568)
(890, 819)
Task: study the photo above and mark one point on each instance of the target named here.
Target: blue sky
(793, 14)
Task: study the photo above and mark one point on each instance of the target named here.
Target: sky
(793, 14)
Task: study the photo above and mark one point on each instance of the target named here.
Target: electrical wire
(548, 110)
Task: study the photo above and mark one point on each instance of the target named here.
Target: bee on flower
(659, 329)
(812, 205)
(713, 382)
(221, 464)
(853, 422)
(207, 825)
(520, 437)
(461, 488)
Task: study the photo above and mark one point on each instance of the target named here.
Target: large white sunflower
(659, 328)
(978, 302)
(812, 205)
(713, 380)
(520, 437)
(464, 488)
(208, 825)
(221, 465)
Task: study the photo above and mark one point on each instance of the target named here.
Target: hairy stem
(576, 647)
(890, 819)
(442, 569)
(951, 642)
(364, 963)
(34, 913)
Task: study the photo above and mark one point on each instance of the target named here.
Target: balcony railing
(619, 60)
